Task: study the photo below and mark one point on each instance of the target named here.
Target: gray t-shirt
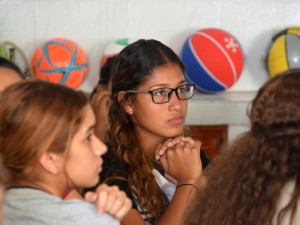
(23, 206)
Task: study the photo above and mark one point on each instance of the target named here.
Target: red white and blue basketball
(213, 60)
(60, 60)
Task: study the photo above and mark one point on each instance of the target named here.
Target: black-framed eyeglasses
(164, 95)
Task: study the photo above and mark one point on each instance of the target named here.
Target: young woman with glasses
(150, 157)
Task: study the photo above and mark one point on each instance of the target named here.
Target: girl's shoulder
(29, 205)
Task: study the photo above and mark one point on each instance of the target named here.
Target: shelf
(224, 97)
(223, 108)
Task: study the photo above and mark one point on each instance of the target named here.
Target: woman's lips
(176, 120)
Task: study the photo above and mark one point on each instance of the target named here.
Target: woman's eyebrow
(164, 84)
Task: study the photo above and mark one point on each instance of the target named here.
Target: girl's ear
(51, 162)
(128, 106)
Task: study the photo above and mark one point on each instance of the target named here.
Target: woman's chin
(91, 183)
(175, 132)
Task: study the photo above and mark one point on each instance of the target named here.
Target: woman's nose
(174, 101)
(100, 147)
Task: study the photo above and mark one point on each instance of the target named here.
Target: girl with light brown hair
(49, 146)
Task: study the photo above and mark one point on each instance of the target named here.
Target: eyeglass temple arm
(137, 91)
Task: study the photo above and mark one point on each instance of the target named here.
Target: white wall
(95, 23)
(229, 108)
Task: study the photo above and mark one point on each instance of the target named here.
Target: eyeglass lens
(164, 95)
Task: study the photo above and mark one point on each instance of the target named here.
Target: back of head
(105, 75)
(105, 71)
(10, 73)
(275, 118)
(36, 117)
(246, 180)
(4, 63)
(275, 111)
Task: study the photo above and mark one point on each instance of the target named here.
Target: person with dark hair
(100, 98)
(104, 82)
(10, 73)
(100, 102)
(256, 180)
(150, 156)
(48, 146)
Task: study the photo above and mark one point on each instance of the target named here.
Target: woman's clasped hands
(180, 158)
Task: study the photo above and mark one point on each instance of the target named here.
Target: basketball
(60, 61)
(213, 59)
(114, 47)
(284, 53)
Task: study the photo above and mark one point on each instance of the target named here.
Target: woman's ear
(51, 162)
(128, 106)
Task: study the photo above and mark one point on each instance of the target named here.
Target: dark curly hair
(245, 183)
(133, 66)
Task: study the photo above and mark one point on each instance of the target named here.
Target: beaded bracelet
(180, 185)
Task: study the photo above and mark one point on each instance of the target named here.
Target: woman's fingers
(111, 200)
(171, 143)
